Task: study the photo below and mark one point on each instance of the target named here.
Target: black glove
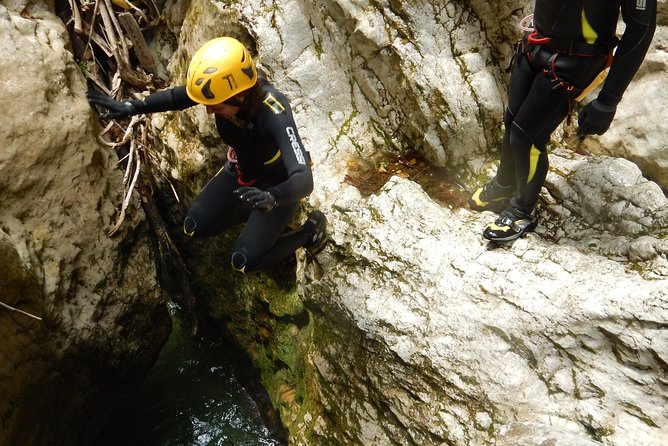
(116, 109)
(258, 198)
(595, 118)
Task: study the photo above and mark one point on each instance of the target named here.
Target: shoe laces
(513, 214)
(494, 185)
(493, 188)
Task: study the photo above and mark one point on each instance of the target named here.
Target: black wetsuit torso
(581, 20)
(595, 22)
(268, 147)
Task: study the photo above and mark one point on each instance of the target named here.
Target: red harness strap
(570, 47)
(232, 158)
(536, 39)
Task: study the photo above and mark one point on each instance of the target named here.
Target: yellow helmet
(219, 70)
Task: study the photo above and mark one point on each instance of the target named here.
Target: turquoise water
(191, 397)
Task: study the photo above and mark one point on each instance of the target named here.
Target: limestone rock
(638, 131)
(103, 319)
(460, 339)
(415, 330)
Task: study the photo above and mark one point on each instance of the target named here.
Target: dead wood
(139, 45)
(108, 40)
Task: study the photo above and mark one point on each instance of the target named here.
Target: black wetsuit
(269, 155)
(571, 45)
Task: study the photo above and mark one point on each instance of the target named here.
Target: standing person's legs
(539, 115)
(544, 108)
(494, 195)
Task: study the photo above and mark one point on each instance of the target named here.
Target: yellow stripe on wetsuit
(534, 157)
(277, 156)
(588, 32)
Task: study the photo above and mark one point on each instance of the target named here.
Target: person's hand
(116, 109)
(258, 198)
(595, 118)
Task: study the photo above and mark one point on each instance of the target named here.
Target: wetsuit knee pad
(239, 261)
(246, 255)
(189, 226)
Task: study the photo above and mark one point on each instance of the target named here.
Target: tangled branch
(109, 45)
(9, 307)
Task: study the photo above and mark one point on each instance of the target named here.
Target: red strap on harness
(232, 158)
(536, 39)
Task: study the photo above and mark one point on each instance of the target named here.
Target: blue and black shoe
(316, 225)
(491, 197)
(512, 224)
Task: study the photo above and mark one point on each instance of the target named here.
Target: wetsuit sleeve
(166, 100)
(640, 25)
(280, 126)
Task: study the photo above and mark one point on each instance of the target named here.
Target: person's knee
(200, 224)
(245, 257)
(519, 139)
(243, 262)
(239, 261)
(190, 225)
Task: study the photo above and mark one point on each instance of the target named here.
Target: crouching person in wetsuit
(268, 170)
(571, 43)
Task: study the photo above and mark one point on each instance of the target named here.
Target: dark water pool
(191, 397)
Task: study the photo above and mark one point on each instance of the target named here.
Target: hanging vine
(109, 45)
